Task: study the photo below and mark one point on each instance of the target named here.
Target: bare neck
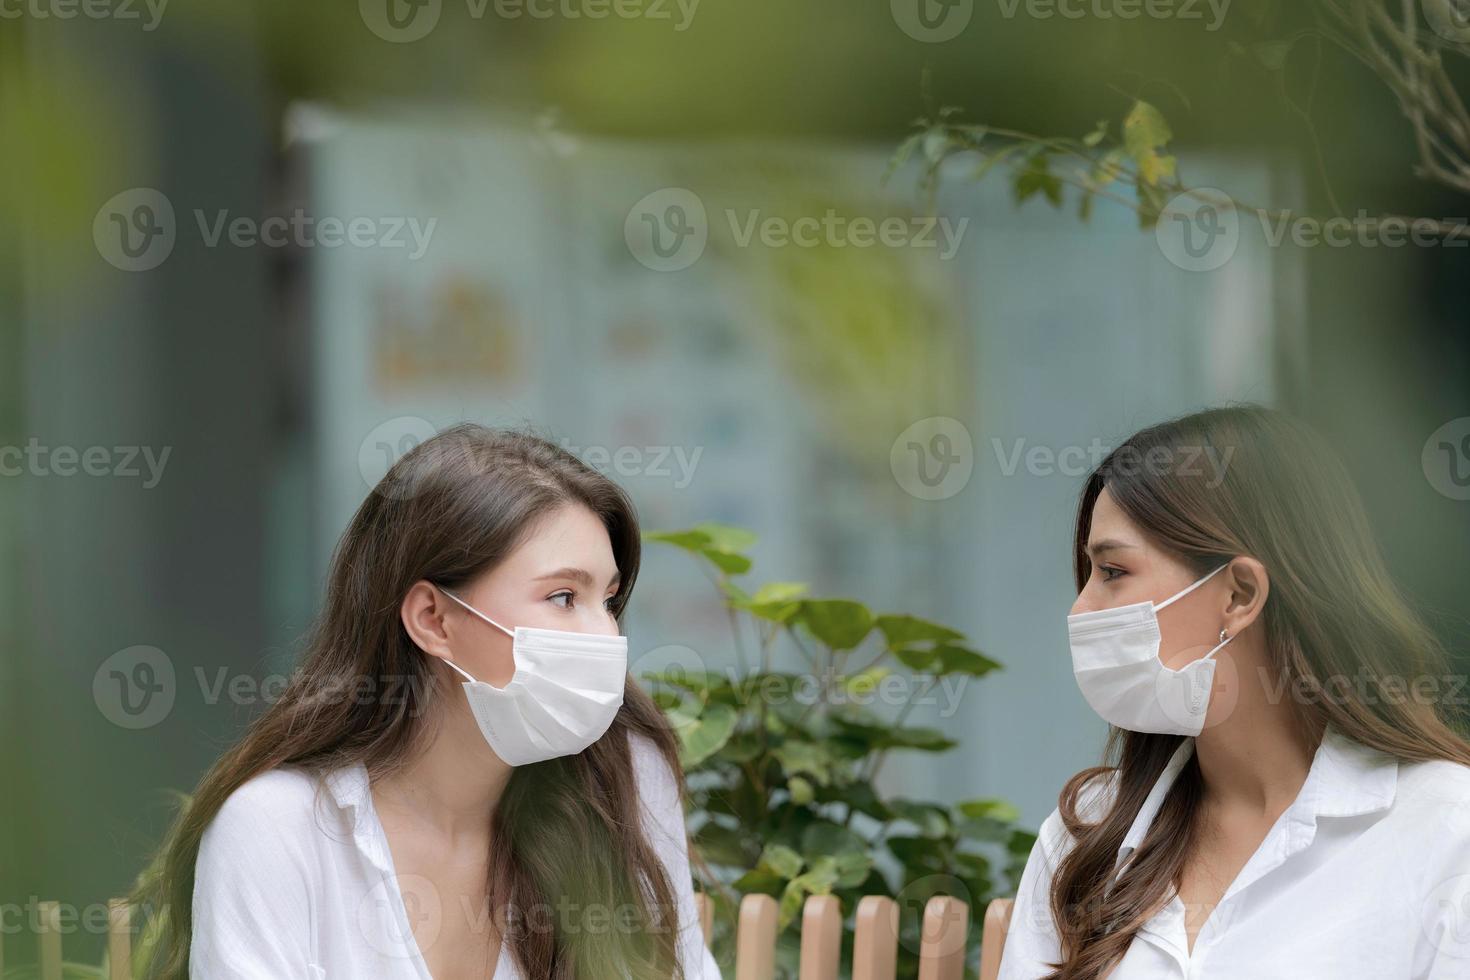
(1258, 757)
(453, 785)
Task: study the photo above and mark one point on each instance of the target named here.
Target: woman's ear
(1249, 586)
(423, 614)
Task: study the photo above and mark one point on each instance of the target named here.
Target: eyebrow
(1108, 544)
(579, 575)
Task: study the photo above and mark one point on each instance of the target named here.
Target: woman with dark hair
(1287, 794)
(461, 779)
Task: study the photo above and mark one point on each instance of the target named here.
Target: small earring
(1222, 635)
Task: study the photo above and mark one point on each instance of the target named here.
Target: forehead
(1109, 522)
(569, 535)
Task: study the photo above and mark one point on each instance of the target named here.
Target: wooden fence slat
(875, 943)
(993, 936)
(50, 939)
(119, 940)
(755, 938)
(942, 939)
(821, 938)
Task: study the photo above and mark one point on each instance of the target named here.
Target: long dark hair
(449, 510)
(1278, 493)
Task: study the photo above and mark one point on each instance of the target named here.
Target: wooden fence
(945, 929)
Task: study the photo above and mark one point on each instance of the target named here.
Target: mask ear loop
(1188, 589)
(477, 613)
(1225, 638)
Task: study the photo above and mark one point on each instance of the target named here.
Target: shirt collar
(349, 787)
(351, 791)
(1345, 779)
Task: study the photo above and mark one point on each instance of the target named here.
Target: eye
(566, 594)
(611, 603)
(1109, 573)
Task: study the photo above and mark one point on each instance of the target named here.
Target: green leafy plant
(782, 764)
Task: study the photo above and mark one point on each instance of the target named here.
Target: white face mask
(1115, 658)
(565, 692)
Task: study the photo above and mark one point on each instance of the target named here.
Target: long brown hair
(1272, 489)
(447, 511)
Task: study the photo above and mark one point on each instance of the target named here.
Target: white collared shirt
(287, 888)
(1365, 876)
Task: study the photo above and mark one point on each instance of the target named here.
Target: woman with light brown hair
(1288, 787)
(461, 779)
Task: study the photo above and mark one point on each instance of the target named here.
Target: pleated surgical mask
(1115, 658)
(565, 692)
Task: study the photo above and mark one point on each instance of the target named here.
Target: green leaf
(916, 659)
(775, 601)
(721, 845)
(865, 683)
(742, 747)
(903, 630)
(840, 624)
(853, 868)
(723, 537)
(822, 875)
(951, 658)
(858, 796)
(990, 807)
(705, 735)
(1097, 135)
(931, 820)
(720, 544)
(780, 859)
(1144, 132)
(801, 790)
(804, 757)
(1036, 176)
(791, 898)
(823, 837)
(923, 739)
(760, 882)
